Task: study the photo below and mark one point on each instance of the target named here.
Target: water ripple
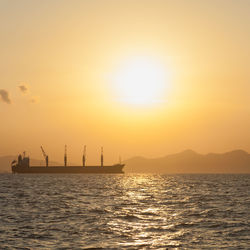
(124, 211)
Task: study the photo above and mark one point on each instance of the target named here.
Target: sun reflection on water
(144, 217)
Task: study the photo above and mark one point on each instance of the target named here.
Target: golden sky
(70, 73)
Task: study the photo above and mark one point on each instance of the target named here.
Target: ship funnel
(65, 156)
(20, 159)
(84, 156)
(102, 157)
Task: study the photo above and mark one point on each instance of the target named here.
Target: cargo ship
(22, 166)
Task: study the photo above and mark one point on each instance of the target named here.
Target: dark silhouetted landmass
(188, 161)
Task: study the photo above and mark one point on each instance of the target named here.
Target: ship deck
(114, 169)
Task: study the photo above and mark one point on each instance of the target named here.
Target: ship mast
(65, 156)
(84, 156)
(101, 156)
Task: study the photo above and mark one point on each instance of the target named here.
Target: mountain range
(188, 161)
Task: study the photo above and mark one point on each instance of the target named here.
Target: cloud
(23, 87)
(5, 96)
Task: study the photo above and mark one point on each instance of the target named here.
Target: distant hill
(188, 161)
(5, 163)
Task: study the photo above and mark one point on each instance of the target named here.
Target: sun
(141, 81)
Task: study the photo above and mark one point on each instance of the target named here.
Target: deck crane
(45, 157)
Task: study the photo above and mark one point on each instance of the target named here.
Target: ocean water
(124, 211)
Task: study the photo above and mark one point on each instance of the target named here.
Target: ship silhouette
(22, 165)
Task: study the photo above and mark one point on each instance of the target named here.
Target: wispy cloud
(23, 87)
(5, 96)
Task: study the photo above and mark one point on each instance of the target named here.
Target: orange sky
(65, 55)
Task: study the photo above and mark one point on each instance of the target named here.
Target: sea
(130, 211)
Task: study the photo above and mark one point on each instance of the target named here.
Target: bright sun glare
(141, 81)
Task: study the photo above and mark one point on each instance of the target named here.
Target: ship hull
(114, 169)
